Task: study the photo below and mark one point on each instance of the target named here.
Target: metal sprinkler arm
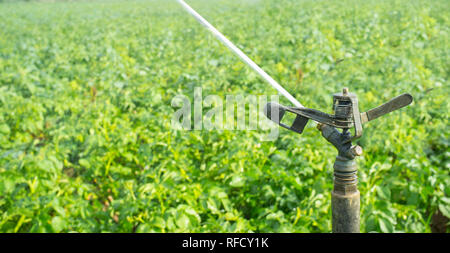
(346, 113)
(392, 105)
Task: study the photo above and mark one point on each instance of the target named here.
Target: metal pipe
(240, 54)
(345, 197)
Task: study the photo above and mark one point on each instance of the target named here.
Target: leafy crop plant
(86, 142)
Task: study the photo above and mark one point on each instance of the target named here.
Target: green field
(86, 142)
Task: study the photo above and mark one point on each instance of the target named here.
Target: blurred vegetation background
(85, 107)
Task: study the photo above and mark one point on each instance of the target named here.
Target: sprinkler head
(345, 115)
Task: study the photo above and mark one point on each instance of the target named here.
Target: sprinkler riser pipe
(345, 210)
(345, 197)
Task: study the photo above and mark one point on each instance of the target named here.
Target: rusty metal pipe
(345, 197)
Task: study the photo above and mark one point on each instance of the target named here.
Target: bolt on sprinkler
(345, 197)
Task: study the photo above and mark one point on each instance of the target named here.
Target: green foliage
(85, 94)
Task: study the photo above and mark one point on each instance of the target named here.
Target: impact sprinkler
(345, 198)
(345, 195)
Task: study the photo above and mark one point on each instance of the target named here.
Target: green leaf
(371, 224)
(85, 163)
(193, 214)
(237, 181)
(386, 226)
(211, 204)
(144, 228)
(182, 221)
(445, 210)
(384, 192)
(159, 222)
(58, 224)
(4, 129)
